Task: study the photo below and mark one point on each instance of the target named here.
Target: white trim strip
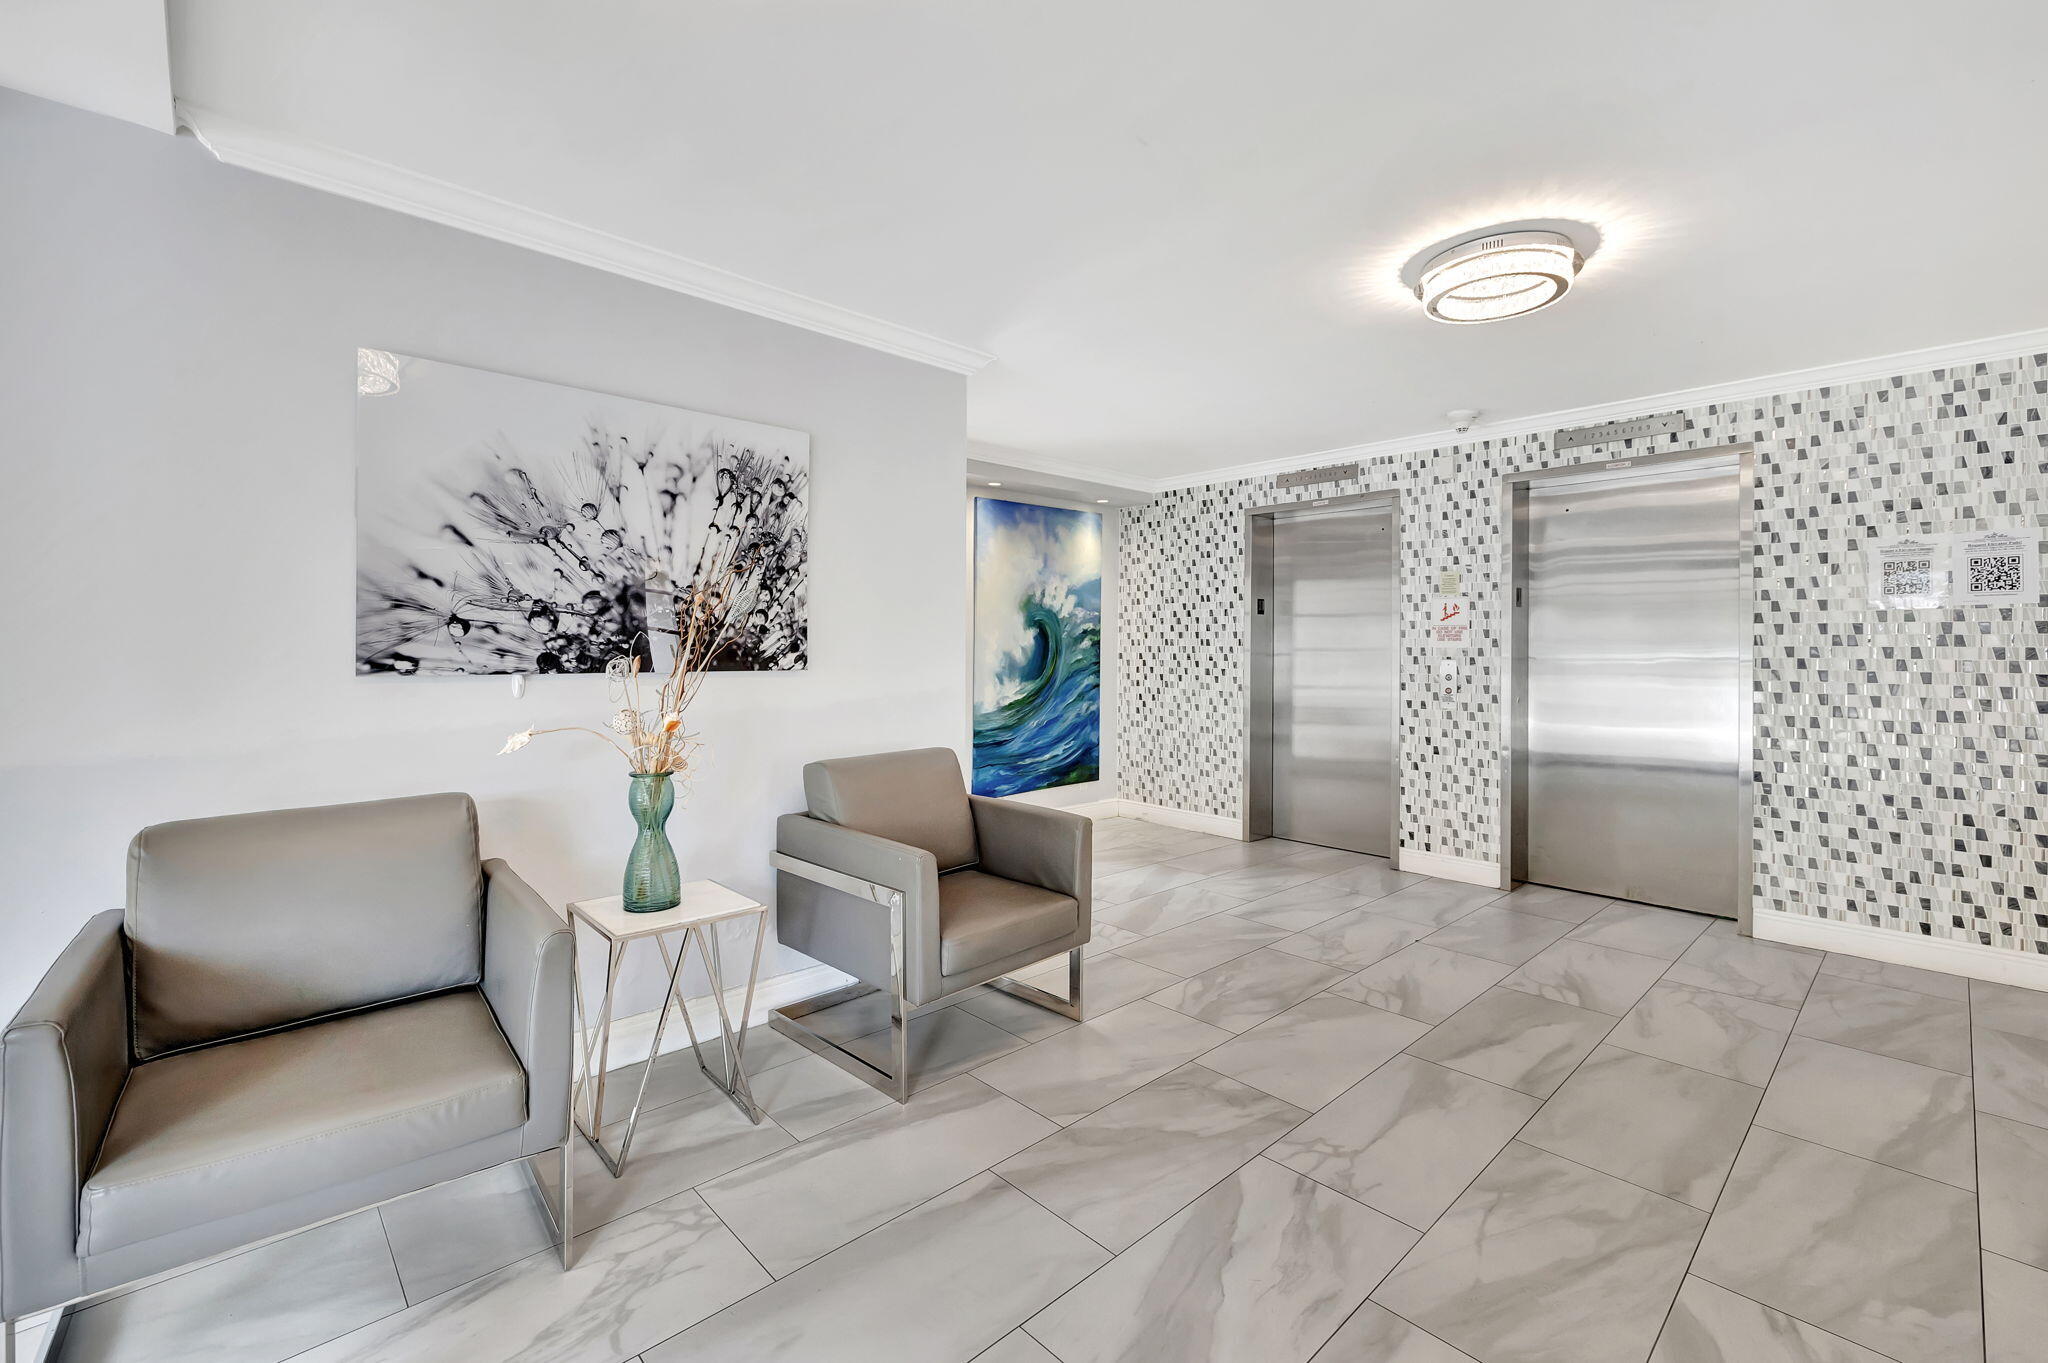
(1984, 349)
(421, 196)
(1464, 870)
(1219, 824)
(2000, 965)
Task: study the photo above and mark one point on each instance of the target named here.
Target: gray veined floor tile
(1934, 982)
(1710, 1324)
(1547, 901)
(676, 1147)
(1025, 1021)
(1871, 1253)
(2014, 1206)
(1437, 903)
(1422, 982)
(446, 1235)
(1256, 882)
(1117, 1173)
(1016, 1347)
(1125, 886)
(1330, 860)
(1157, 913)
(1264, 1266)
(1202, 944)
(1107, 982)
(1302, 907)
(1588, 976)
(1499, 934)
(2015, 1311)
(1070, 1075)
(1735, 1038)
(941, 1283)
(1644, 929)
(946, 1042)
(1316, 1049)
(1375, 880)
(1516, 1039)
(265, 1304)
(1239, 995)
(812, 1094)
(1543, 1259)
(2012, 1075)
(1236, 856)
(1106, 937)
(1896, 1022)
(636, 1281)
(2008, 1008)
(814, 1197)
(1408, 1139)
(1912, 1117)
(1747, 969)
(1661, 1126)
(1353, 939)
(1376, 1335)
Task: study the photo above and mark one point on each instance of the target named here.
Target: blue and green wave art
(1037, 646)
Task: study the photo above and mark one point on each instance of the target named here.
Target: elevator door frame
(1255, 792)
(1514, 687)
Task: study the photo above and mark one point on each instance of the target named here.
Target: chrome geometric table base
(697, 923)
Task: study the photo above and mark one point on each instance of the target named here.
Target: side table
(705, 904)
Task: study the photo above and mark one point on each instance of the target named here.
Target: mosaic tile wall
(1899, 766)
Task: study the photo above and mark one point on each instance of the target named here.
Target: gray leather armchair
(300, 1014)
(900, 878)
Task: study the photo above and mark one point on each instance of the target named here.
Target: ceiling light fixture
(1102, 501)
(995, 484)
(1501, 275)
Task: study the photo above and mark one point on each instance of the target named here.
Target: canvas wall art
(1037, 646)
(505, 525)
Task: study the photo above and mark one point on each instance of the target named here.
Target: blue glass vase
(653, 882)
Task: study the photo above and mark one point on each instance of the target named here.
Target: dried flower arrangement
(708, 616)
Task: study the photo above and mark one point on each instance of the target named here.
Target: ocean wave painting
(1037, 646)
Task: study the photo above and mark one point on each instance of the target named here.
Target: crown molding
(1985, 348)
(421, 196)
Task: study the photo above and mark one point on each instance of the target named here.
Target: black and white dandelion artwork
(505, 525)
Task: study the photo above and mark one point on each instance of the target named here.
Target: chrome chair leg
(560, 1206)
(1068, 1007)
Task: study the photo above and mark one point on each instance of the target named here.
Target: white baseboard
(2000, 965)
(1465, 870)
(1222, 825)
(631, 1034)
(1097, 809)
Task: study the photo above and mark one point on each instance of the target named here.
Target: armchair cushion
(240, 924)
(983, 918)
(209, 1134)
(915, 797)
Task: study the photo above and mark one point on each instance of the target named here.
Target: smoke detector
(1462, 420)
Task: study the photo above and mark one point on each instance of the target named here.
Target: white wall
(1105, 786)
(177, 344)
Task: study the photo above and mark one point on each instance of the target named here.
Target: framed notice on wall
(1927, 571)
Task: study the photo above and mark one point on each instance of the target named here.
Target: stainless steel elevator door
(1333, 716)
(1632, 630)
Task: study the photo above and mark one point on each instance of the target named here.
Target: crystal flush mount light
(1500, 275)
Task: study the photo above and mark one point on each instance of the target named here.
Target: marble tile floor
(1319, 1111)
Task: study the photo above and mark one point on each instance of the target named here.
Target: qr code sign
(1995, 575)
(1914, 576)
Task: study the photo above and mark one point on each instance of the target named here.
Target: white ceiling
(1177, 224)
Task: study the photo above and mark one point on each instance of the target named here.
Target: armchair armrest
(1037, 844)
(529, 970)
(848, 926)
(63, 1061)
